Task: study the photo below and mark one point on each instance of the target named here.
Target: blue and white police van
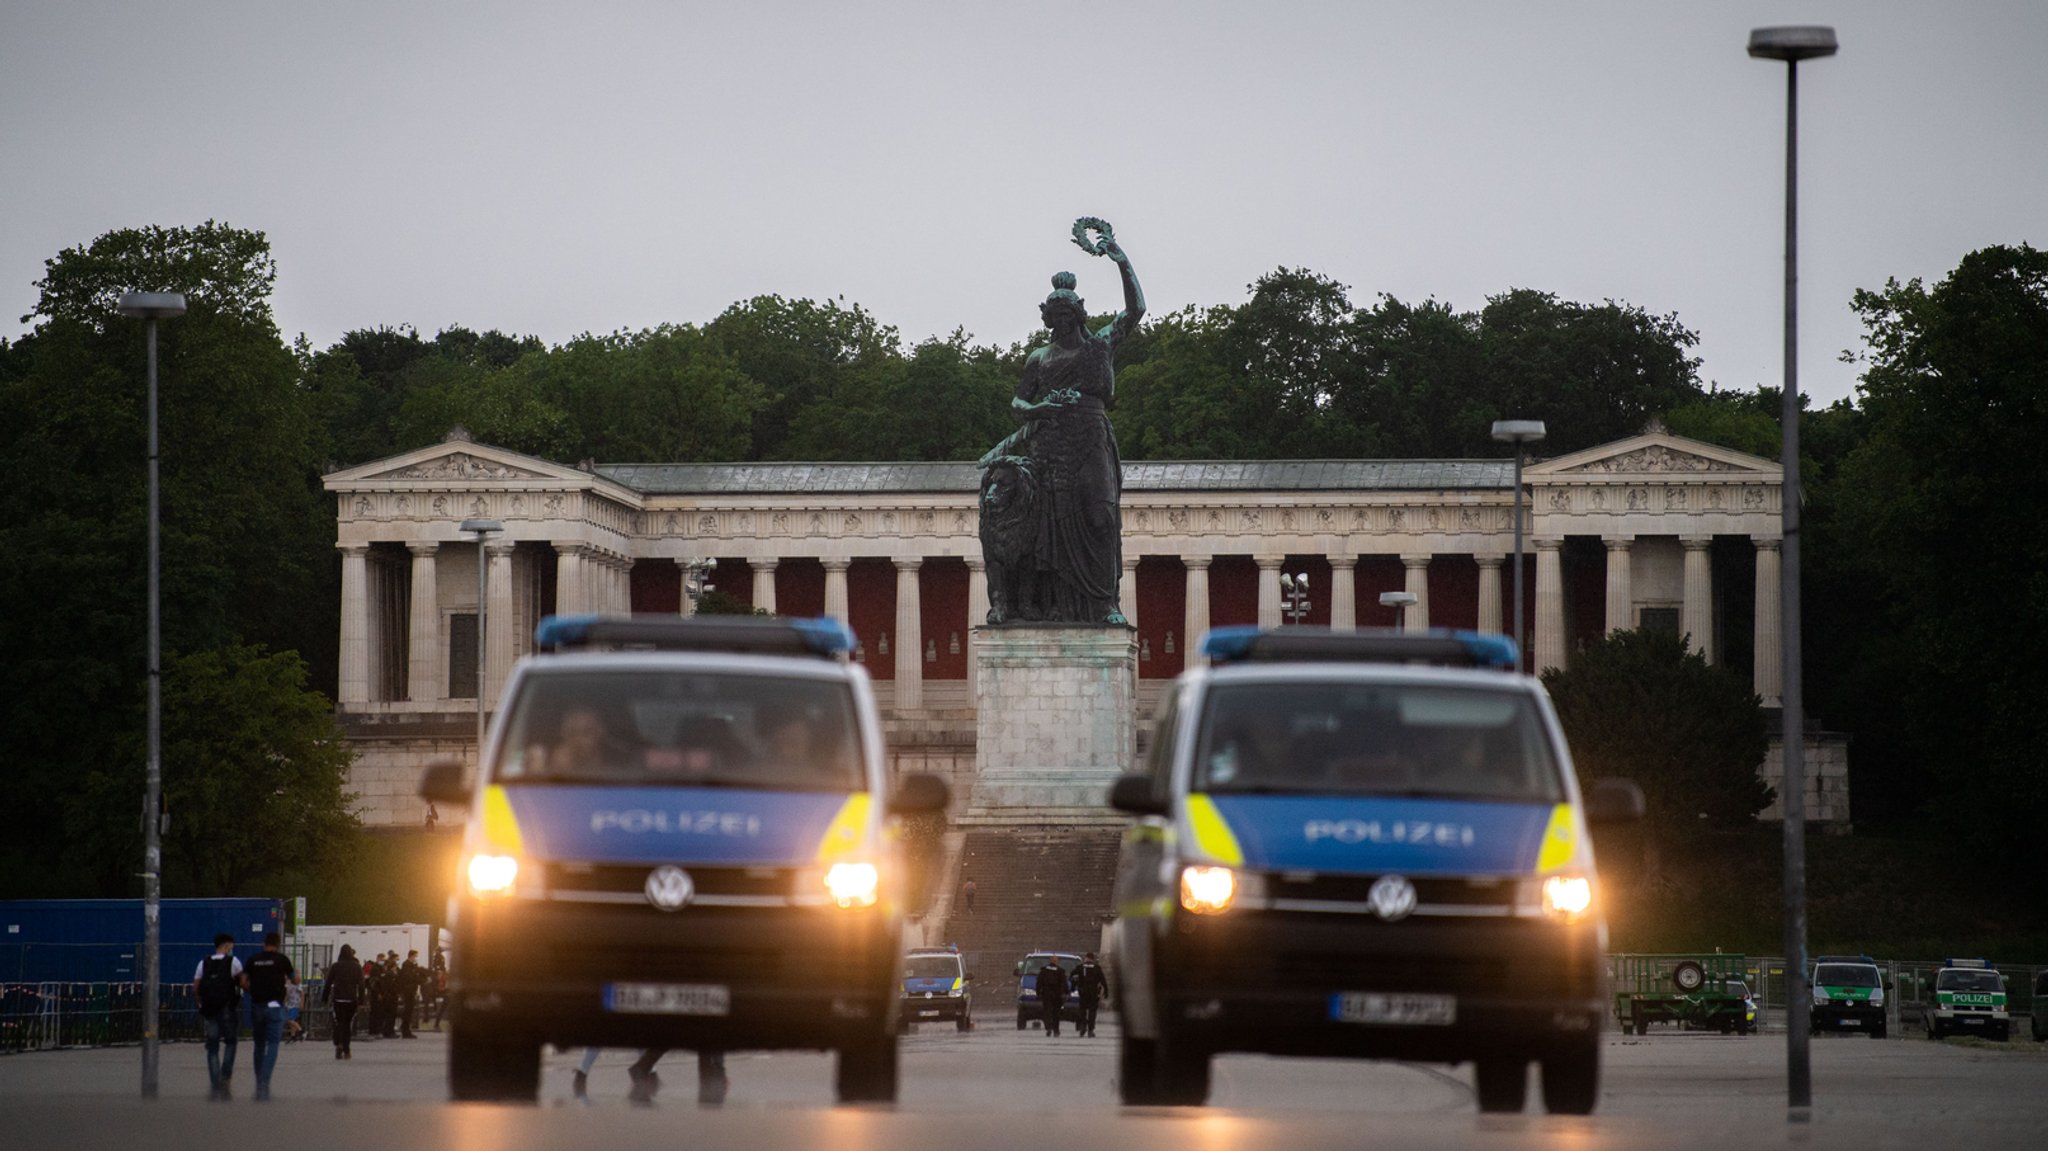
(680, 837)
(937, 986)
(1361, 844)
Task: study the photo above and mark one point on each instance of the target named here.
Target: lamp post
(151, 307)
(1400, 601)
(1793, 44)
(1294, 596)
(1519, 433)
(481, 529)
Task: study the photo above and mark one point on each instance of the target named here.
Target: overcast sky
(552, 168)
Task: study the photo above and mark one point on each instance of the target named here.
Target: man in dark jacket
(386, 994)
(1091, 987)
(1052, 994)
(412, 979)
(344, 991)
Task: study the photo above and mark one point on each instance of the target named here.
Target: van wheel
(1877, 1032)
(1503, 1085)
(483, 1067)
(1022, 1021)
(1183, 1075)
(866, 1071)
(1571, 1079)
(1137, 1071)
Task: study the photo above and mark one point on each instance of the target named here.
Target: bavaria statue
(1051, 523)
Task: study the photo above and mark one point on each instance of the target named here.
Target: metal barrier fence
(47, 1016)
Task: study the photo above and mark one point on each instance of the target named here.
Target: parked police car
(936, 985)
(1343, 851)
(682, 843)
(1848, 995)
(1969, 999)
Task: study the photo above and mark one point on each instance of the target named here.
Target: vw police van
(680, 838)
(936, 986)
(1361, 844)
(1848, 995)
(1969, 999)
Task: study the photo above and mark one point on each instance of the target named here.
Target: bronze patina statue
(1051, 526)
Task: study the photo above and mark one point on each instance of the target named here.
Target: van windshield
(1845, 975)
(1375, 739)
(1968, 979)
(682, 729)
(932, 967)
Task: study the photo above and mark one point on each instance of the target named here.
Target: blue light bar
(823, 636)
(1321, 645)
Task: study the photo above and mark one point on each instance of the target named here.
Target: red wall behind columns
(800, 588)
(657, 586)
(942, 603)
(1454, 591)
(1162, 608)
(1233, 591)
(1376, 574)
(734, 577)
(871, 602)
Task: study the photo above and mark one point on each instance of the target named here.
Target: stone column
(1195, 623)
(1416, 618)
(909, 637)
(835, 588)
(570, 598)
(1344, 593)
(503, 625)
(423, 642)
(1621, 603)
(1127, 591)
(977, 594)
(764, 584)
(1768, 675)
(1489, 593)
(626, 585)
(1549, 643)
(1269, 589)
(355, 623)
(1696, 618)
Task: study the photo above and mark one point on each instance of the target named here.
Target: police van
(680, 837)
(1969, 999)
(1361, 844)
(1848, 995)
(936, 986)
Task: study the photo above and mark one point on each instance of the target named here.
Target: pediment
(456, 462)
(1653, 453)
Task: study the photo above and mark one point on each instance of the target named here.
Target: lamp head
(480, 527)
(1517, 431)
(1397, 599)
(151, 305)
(1792, 43)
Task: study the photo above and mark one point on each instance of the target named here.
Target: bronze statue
(1051, 522)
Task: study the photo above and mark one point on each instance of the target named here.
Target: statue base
(1056, 724)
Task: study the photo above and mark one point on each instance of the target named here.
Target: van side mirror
(1611, 801)
(1020, 967)
(919, 794)
(443, 783)
(1135, 795)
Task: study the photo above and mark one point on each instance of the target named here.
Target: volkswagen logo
(669, 887)
(1392, 898)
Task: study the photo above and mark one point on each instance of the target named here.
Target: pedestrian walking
(216, 984)
(1052, 994)
(1091, 989)
(967, 896)
(412, 979)
(265, 977)
(712, 1081)
(437, 975)
(344, 991)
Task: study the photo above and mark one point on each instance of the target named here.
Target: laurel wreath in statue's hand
(1104, 242)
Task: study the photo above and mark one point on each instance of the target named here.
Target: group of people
(1088, 985)
(392, 989)
(219, 984)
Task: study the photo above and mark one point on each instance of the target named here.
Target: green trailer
(1691, 992)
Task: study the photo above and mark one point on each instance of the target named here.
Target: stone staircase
(1037, 887)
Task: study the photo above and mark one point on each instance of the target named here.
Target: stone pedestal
(1056, 717)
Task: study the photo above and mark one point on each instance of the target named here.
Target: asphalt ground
(997, 1088)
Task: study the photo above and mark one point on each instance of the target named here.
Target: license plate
(668, 998)
(1394, 1010)
(1852, 1023)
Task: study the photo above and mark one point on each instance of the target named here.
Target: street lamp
(1519, 433)
(481, 529)
(151, 307)
(1294, 596)
(1400, 601)
(1793, 44)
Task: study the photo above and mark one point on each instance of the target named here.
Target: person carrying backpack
(216, 985)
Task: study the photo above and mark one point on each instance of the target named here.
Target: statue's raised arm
(1104, 243)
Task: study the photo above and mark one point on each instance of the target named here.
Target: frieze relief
(460, 466)
(1655, 458)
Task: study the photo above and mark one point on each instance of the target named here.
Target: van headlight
(1567, 898)
(854, 884)
(1207, 890)
(490, 874)
(1877, 997)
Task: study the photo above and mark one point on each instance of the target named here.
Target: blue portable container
(100, 940)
